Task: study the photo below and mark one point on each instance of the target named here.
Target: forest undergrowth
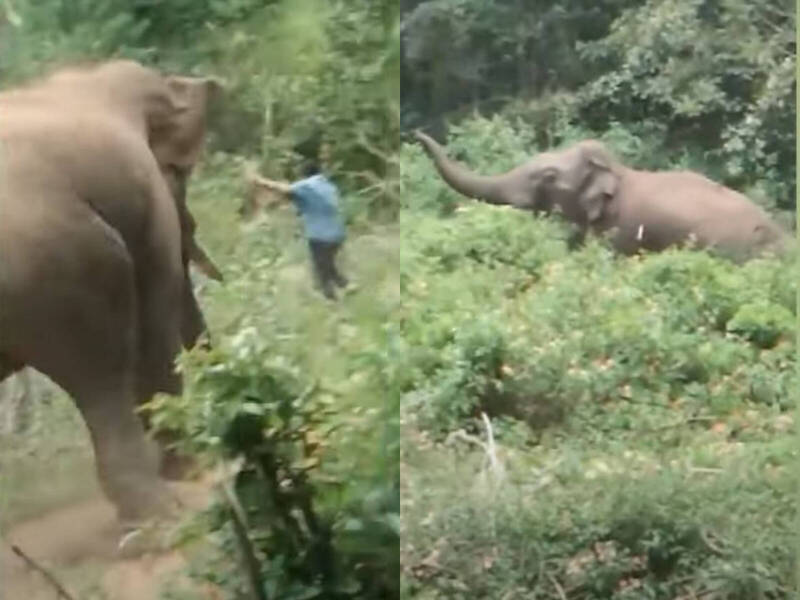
(583, 425)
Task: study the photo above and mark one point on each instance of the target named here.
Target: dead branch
(249, 560)
(557, 586)
(51, 579)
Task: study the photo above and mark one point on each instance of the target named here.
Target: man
(317, 201)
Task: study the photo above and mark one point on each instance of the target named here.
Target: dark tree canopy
(712, 77)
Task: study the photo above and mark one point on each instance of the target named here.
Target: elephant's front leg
(127, 463)
(160, 282)
(159, 335)
(576, 238)
(175, 465)
(169, 317)
(103, 383)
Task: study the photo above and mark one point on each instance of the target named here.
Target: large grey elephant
(637, 210)
(94, 246)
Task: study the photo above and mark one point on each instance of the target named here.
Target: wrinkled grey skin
(94, 284)
(637, 210)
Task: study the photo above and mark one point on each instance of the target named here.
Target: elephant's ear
(599, 185)
(179, 139)
(186, 90)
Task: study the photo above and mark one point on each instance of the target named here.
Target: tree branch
(51, 579)
(249, 560)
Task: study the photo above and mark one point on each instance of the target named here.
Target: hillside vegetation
(578, 425)
(638, 437)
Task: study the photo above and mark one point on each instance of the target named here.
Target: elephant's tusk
(127, 539)
(640, 233)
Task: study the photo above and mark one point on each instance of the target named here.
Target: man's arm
(276, 186)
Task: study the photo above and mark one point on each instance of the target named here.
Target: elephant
(94, 284)
(637, 210)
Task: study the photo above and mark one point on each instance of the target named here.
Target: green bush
(569, 327)
(637, 529)
(314, 533)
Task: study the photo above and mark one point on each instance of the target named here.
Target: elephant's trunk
(486, 188)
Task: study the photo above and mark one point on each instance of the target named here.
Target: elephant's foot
(161, 533)
(151, 537)
(148, 528)
(142, 499)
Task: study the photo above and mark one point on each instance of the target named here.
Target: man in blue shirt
(317, 201)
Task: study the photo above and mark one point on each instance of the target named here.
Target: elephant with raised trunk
(95, 239)
(637, 210)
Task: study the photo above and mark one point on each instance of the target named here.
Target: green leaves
(763, 323)
(719, 74)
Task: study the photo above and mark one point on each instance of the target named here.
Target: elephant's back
(71, 155)
(661, 209)
(688, 197)
(73, 206)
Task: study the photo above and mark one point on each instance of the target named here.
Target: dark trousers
(323, 258)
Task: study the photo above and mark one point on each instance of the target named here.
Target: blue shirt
(317, 201)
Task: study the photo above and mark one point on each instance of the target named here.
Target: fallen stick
(248, 555)
(51, 579)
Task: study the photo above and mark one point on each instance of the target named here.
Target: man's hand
(255, 180)
(275, 186)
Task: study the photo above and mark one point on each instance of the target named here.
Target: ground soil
(77, 543)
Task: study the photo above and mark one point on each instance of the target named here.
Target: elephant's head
(579, 181)
(172, 111)
(176, 130)
(177, 122)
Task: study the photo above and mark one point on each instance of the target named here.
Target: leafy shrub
(640, 527)
(762, 323)
(241, 403)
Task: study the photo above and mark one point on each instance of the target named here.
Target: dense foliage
(711, 81)
(639, 408)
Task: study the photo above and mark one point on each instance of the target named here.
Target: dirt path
(77, 543)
